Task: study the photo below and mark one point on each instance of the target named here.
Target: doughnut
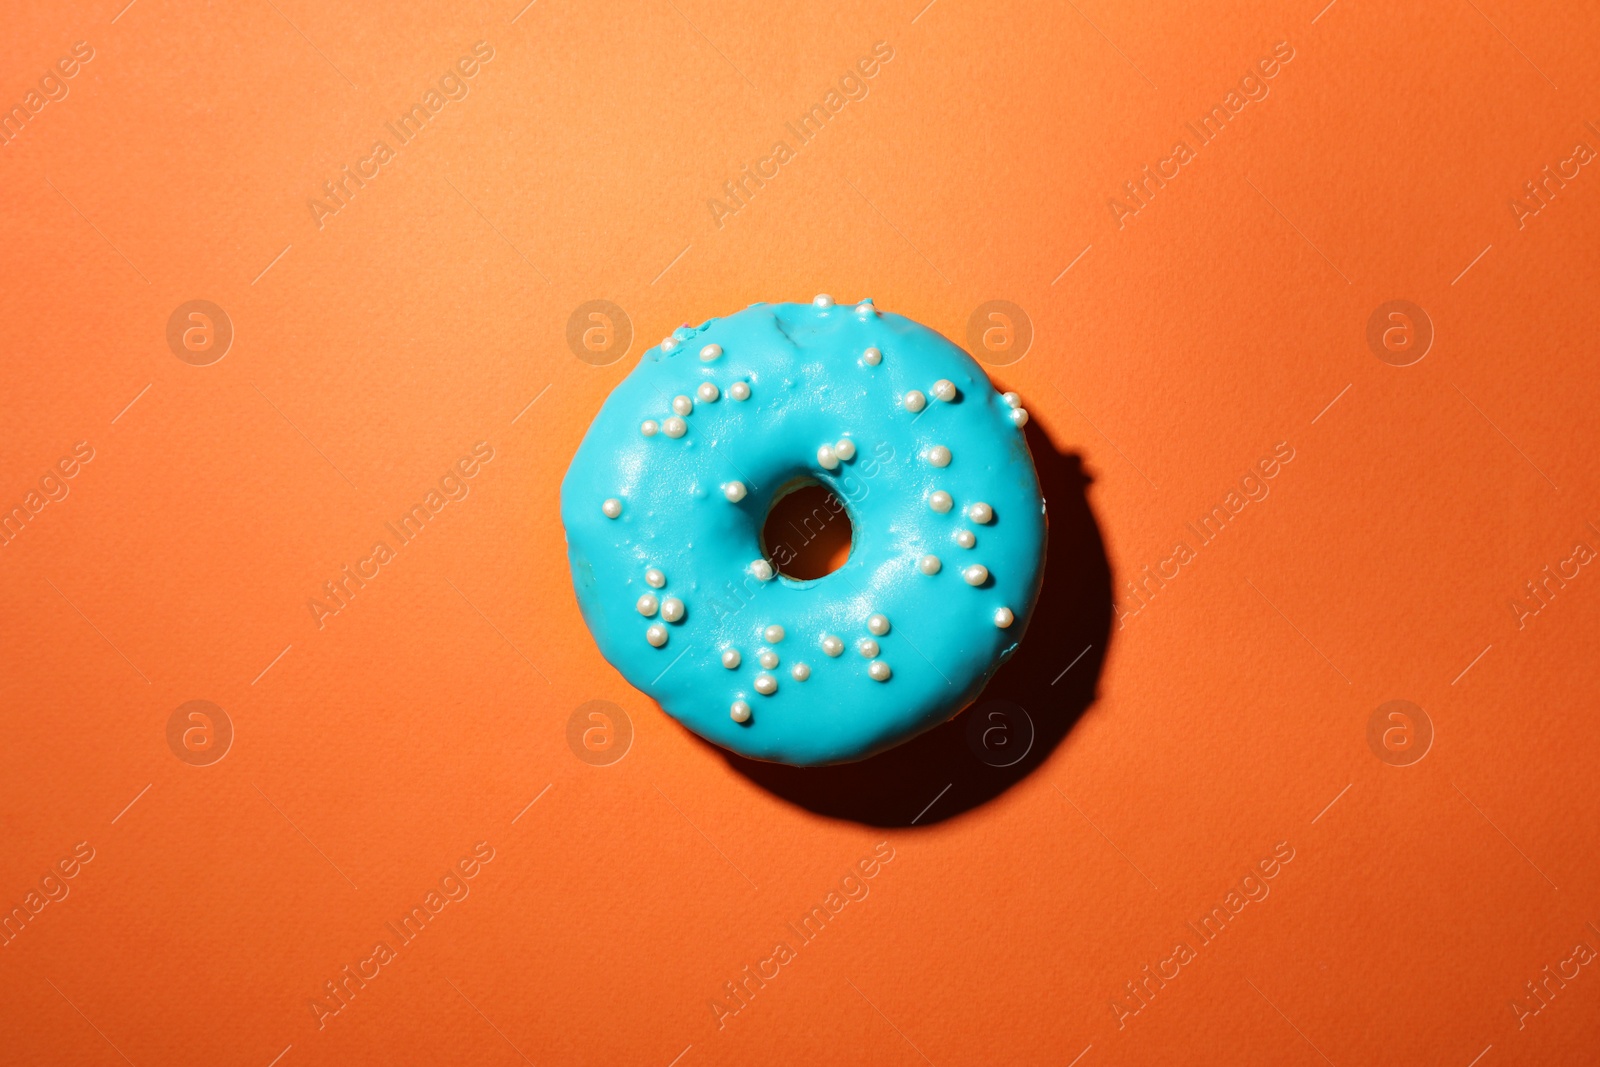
(665, 501)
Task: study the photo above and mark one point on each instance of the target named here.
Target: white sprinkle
(914, 401)
(739, 390)
(966, 538)
(1003, 617)
(739, 711)
(647, 605)
(766, 684)
(671, 609)
(845, 448)
(655, 578)
(980, 512)
(668, 344)
(767, 658)
(799, 672)
(772, 634)
(709, 353)
(762, 570)
(682, 405)
(976, 574)
(822, 300)
(867, 647)
(939, 456)
(872, 357)
(878, 623)
(708, 391)
(1019, 416)
(674, 427)
(929, 564)
(730, 658)
(940, 501)
(649, 427)
(656, 634)
(832, 645)
(944, 389)
(827, 457)
(1011, 399)
(866, 306)
(611, 507)
(734, 491)
(878, 671)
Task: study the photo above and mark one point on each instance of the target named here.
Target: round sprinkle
(739, 711)
(939, 456)
(672, 609)
(708, 392)
(1011, 399)
(867, 647)
(674, 427)
(799, 672)
(654, 578)
(767, 658)
(647, 605)
(822, 300)
(682, 405)
(980, 512)
(730, 658)
(976, 574)
(656, 634)
(929, 564)
(649, 427)
(845, 448)
(914, 401)
(878, 623)
(668, 344)
(944, 389)
(832, 645)
(734, 491)
(878, 671)
(1019, 416)
(739, 390)
(710, 352)
(872, 357)
(611, 507)
(766, 684)
(827, 457)
(940, 501)
(762, 570)
(1003, 617)
(966, 538)
(772, 634)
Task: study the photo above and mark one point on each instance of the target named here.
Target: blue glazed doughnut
(665, 500)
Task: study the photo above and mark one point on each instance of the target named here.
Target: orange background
(1228, 715)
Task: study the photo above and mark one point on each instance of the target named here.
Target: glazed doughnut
(666, 497)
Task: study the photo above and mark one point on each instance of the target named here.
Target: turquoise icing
(810, 385)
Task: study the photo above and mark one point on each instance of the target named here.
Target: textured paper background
(1173, 347)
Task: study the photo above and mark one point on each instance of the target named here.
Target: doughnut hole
(808, 532)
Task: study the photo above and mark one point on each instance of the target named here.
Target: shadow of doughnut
(940, 774)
